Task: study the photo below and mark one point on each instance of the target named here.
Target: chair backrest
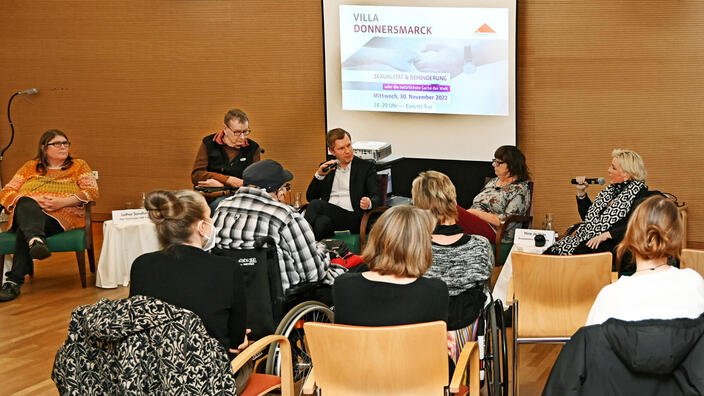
(260, 269)
(555, 293)
(393, 360)
(693, 259)
(529, 212)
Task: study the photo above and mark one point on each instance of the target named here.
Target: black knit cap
(267, 174)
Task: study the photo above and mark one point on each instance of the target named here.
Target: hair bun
(657, 240)
(163, 205)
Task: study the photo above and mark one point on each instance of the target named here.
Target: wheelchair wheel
(495, 352)
(291, 327)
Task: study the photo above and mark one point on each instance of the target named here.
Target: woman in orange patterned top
(46, 196)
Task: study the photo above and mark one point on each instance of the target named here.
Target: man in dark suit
(342, 189)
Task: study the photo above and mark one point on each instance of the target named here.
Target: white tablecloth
(121, 245)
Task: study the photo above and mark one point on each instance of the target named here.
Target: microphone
(331, 166)
(31, 91)
(589, 180)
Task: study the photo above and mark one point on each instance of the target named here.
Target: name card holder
(129, 216)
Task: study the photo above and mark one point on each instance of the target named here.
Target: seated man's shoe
(38, 250)
(9, 291)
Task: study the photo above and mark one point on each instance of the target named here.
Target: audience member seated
(464, 262)
(505, 195)
(604, 220)
(140, 346)
(644, 358)
(656, 290)
(257, 210)
(185, 275)
(341, 190)
(393, 291)
(223, 156)
(45, 197)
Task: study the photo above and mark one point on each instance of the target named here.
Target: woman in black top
(604, 221)
(393, 291)
(185, 275)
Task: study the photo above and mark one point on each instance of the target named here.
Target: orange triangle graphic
(484, 29)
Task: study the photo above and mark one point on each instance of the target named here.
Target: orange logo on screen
(484, 29)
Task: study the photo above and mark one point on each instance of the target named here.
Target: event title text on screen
(386, 29)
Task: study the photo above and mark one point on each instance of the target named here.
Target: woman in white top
(656, 290)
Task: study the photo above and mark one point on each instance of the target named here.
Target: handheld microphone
(331, 166)
(31, 91)
(589, 180)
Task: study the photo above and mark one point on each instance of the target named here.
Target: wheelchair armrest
(300, 289)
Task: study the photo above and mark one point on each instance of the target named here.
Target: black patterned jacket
(140, 346)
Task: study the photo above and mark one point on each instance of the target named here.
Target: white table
(121, 245)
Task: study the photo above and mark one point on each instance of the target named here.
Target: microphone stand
(12, 134)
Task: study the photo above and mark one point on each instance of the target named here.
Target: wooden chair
(394, 360)
(555, 295)
(693, 259)
(262, 384)
(78, 240)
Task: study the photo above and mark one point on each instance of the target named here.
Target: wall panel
(136, 84)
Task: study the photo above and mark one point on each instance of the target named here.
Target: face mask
(209, 239)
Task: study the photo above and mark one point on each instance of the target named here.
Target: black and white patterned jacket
(140, 346)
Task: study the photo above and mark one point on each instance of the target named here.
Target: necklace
(652, 268)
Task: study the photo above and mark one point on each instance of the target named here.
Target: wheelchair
(493, 349)
(489, 331)
(271, 311)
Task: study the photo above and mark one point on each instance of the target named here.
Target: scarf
(601, 215)
(218, 138)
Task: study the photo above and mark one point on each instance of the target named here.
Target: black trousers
(326, 218)
(29, 221)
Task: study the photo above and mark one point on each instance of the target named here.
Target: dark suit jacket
(363, 183)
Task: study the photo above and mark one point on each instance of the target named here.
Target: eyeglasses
(286, 187)
(60, 144)
(497, 162)
(246, 132)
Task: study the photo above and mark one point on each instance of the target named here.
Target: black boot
(39, 250)
(9, 291)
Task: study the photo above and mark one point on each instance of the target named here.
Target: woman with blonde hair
(604, 220)
(393, 291)
(464, 262)
(656, 290)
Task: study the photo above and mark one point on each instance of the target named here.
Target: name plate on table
(129, 216)
(525, 237)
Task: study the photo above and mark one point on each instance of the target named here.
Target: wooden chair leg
(91, 259)
(81, 258)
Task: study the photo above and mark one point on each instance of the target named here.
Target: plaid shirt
(252, 213)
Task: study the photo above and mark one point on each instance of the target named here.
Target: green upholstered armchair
(78, 240)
